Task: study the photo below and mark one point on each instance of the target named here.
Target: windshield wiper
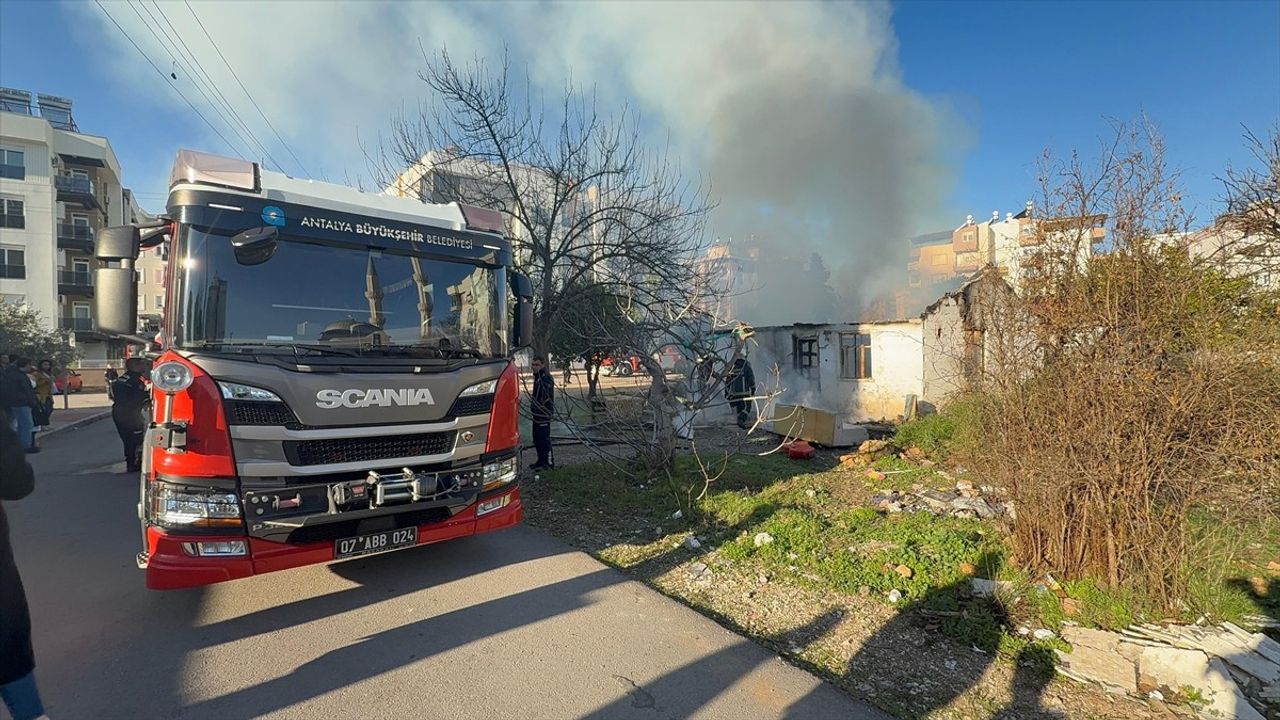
(296, 347)
(433, 351)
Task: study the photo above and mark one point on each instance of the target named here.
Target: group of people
(26, 397)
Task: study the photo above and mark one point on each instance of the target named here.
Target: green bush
(931, 433)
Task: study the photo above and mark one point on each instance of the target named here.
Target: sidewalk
(82, 409)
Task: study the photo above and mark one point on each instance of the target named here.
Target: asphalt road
(512, 624)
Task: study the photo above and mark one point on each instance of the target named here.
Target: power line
(246, 90)
(161, 73)
(165, 46)
(190, 56)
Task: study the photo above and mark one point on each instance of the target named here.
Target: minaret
(424, 297)
(373, 293)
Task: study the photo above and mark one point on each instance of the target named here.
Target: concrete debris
(677, 515)
(982, 587)
(699, 571)
(1042, 634)
(966, 501)
(762, 539)
(692, 543)
(1236, 672)
(876, 449)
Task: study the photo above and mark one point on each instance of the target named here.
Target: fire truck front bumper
(175, 560)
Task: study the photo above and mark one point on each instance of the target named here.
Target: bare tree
(589, 206)
(608, 229)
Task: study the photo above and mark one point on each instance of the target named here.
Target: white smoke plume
(795, 114)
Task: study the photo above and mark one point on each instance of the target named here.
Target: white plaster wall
(896, 368)
(31, 136)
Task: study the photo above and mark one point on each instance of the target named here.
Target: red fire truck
(333, 377)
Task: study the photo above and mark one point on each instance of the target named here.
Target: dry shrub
(1146, 388)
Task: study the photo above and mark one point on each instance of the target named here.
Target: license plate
(379, 542)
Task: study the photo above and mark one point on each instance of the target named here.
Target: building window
(12, 213)
(13, 165)
(804, 354)
(159, 302)
(939, 260)
(855, 356)
(13, 263)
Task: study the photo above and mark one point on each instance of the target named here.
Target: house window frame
(804, 354)
(855, 356)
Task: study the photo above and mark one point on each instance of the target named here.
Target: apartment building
(58, 188)
(1013, 245)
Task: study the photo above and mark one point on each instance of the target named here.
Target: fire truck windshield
(320, 296)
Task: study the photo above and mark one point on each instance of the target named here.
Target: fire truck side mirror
(522, 333)
(115, 297)
(115, 292)
(118, 243)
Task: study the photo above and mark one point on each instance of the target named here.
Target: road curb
(77, 424)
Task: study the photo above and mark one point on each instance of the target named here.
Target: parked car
(71, 379)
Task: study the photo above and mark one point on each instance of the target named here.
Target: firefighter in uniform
(130, 397)
(541, 407)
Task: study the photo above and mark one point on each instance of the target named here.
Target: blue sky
(1006, 79)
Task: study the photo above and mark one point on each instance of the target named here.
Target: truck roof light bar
(206, 169)
(484, 219)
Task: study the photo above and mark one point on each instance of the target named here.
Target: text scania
(330, 399)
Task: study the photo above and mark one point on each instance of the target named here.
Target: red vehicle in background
(620, 367)
(333, 377)
(70, 379)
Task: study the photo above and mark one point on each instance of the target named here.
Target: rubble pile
(1224, 671)
(965, 500)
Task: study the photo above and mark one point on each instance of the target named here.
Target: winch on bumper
(344, 507)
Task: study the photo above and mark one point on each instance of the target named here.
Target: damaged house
(877, 371)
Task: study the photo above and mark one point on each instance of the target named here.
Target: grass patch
(931, 433)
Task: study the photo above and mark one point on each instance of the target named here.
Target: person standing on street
(43, 376)
(740, 386)
(541, 406)
(17, 659)
(129, 399)
(18, 395)
(111, 376)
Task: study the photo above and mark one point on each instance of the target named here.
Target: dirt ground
(895, 657)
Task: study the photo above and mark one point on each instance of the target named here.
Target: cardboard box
(816, 426)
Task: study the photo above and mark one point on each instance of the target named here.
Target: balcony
(77, 190)
(75, 282)
(78, 324)
(75, 237)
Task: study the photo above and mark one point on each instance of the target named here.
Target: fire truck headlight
(177, 507)
(499, 472)
(485, 388)
(236, 391)
(171, 377)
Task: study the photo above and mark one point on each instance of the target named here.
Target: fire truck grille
(473, 405)
(243, 412)
(365, 449)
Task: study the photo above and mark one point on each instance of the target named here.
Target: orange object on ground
(799, 450)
